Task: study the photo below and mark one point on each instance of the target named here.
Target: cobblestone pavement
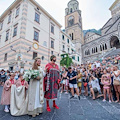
(85, 109)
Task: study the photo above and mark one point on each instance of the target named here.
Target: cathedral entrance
(114, 42)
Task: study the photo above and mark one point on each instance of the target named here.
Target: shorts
(61, 82)
(72, 85)
(64, 82)
(95, 90)
(79, 84)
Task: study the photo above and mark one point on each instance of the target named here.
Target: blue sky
(95, 13)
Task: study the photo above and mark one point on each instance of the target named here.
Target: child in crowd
(106, 81)
(21, 82)
(5, 99)
(64, 78)
(79, 81)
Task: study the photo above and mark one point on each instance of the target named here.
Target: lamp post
(29, 49)
(12, 48)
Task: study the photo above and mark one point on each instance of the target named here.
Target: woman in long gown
(35, 93)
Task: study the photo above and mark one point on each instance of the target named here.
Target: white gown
(37, 98)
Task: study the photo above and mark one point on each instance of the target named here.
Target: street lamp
(29, 49)
(12, 48)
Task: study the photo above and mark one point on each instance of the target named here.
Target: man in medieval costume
(51, 80)
(35, 93)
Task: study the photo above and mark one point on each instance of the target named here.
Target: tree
(66, 60)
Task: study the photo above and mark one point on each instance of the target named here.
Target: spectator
(106, 81)
(3, 77)
(85, 81)
(72, 76)
(64, 78)
(116, 81)
(79, 81)
(94, 86)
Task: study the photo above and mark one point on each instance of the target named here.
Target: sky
(95, 13)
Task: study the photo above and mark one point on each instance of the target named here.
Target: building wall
(72, 49)
(115, 10)
(101, 41)
(14, 20)
(110, 29)
(25, 37)
(90, 36)
(67, 45)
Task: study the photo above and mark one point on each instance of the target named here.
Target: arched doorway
(114, 42)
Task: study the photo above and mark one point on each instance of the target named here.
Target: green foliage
(66, 60)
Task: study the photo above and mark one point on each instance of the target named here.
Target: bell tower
(73, 23)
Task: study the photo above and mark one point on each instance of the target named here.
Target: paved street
(85, 109)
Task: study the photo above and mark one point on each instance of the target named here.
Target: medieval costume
(19, 98)
(19, 101)
(35, 93)
(6, 93)
(22, 83)
(51, 83)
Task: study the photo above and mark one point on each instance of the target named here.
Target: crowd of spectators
(98, 79)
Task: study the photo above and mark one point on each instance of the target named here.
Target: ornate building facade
(99, 43)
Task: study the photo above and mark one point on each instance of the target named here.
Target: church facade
(97, 43)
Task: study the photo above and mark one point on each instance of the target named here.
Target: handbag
(85, 84)
(58, 81)
(116, 82)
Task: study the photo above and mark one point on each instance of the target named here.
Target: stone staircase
(106, 52)
(113, 53)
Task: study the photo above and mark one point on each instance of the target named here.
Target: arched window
(88, 52)
(96, 49)
(71, 10)
(70, 21)
(105, 46)
(72, 36)
(92, 50)
(100, 48)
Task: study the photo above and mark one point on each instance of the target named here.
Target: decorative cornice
(116, 1)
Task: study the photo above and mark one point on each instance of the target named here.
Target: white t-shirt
(95, 84)
(97, 65)
(92, 66)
